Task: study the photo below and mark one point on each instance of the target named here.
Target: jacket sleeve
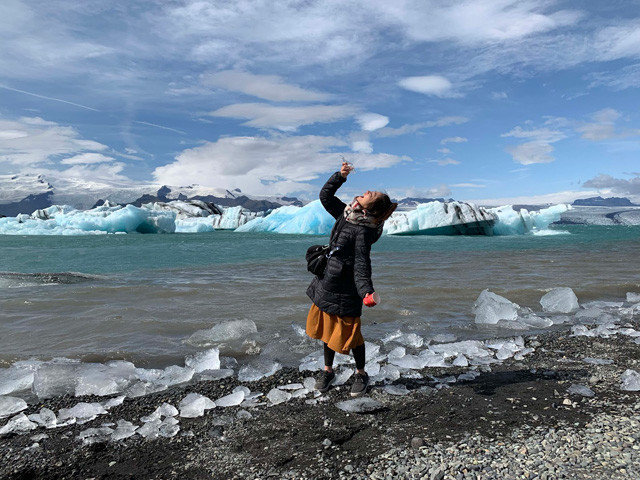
(362, 264)
(330, 202)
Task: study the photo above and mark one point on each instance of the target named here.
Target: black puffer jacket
(347, 278)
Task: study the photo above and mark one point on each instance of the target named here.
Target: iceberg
(311, 219)
(201, 361)
(442, 218)
(512, 222)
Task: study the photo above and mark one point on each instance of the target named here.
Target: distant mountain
(604, 202)
(26, 193)
(412, 202)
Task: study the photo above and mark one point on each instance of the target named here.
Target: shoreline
(515, 417)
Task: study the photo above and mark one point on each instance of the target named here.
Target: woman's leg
(329, 355)
(358, 355)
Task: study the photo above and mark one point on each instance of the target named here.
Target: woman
(338, 296)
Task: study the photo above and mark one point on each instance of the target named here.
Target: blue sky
(497, 102)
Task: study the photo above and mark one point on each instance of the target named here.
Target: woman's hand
(345, 170)
(371, 299)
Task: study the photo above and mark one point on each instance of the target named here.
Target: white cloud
(499, 95)
(372, 121)
(626, 77)
(538, 149)
(566, 196)
(435, 85)
(261, 115)
(444, 151)
(618, 186)
(619, 41)
(437, 191)
(363, 146)
(267, 87)
(444, 141)
(414, 127)
(32, 140)
(261, 165)
(86, 159)
(603, 127)
(445, 161)
(468, 185)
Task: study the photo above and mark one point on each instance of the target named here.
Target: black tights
(358, 355)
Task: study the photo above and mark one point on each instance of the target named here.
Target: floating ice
(11, 405)
(511, 222)
(442, 218)
(222, 332)
(490, 308)
(123, 430)
(630, 381)
(535, 321)
(46, 418)
(194, 405)
(311, 219)
(560, 300)
(83, 412)
(360, 405)
(251, 373)
(277, 396)
(18, 424)
(576, 389)
(95, 435)
(201, 361)
(396, 389)
(444, 338)
(231, 400)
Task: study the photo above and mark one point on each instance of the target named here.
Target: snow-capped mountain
(25, 193)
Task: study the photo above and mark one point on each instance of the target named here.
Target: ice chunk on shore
(14, 379)
(460, 361)
(576, 389)
(11, 405)
(56, 378)
(560, 300)
(342, 376)
(630, 381)
(399, 390)
(223, 332)
(258, 370)
(469, 348)
(18, 424)
(406, 339)
(206, 360)
(597, 361)
(95, 435)
(169, 427)
(173, 375)
(151, 430)
(46, 418)
(194, 405)
(123, 430)
(231, 400)
(489, 308)
(360, 405)
(277, 396)
(83, 412)
(633, 297)
(108, 379)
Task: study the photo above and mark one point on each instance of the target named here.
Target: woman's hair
(382, 208)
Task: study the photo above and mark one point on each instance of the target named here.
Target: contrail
(49, 98)
(160, 126)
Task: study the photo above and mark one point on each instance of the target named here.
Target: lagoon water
(140, 297)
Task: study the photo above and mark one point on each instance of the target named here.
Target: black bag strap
(335, 231)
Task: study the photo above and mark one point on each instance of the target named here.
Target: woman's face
(368, 198)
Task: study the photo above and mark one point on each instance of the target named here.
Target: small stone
(417, 442)
(326, 442)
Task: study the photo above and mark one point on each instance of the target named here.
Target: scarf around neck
(354, 213)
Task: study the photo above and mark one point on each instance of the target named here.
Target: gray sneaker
(324, 381)
(360, 384)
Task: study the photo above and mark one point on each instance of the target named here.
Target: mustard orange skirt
(340, 333)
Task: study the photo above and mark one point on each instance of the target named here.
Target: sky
(506, 101)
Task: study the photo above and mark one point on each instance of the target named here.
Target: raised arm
(330, 202)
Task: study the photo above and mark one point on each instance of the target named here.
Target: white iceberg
(311, 219)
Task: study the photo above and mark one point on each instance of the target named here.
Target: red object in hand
(371, 299)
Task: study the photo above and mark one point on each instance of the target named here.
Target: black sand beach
(515, 421)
